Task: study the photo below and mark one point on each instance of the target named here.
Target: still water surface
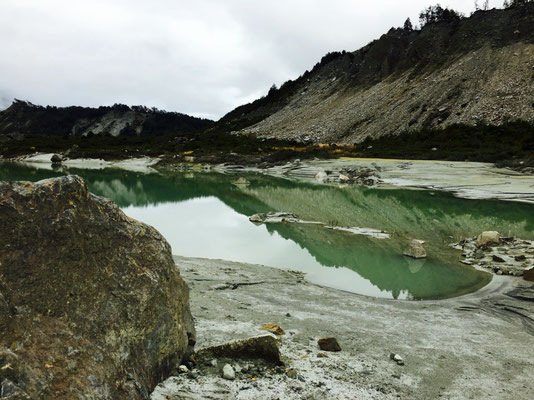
(205, 215)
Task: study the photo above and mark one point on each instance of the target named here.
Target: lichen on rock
(92, 304)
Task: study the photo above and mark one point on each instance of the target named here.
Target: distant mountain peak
(24, 118)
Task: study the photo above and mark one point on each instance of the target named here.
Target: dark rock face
(91, 303)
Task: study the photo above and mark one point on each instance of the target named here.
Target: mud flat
(43, 161)
(470, 180)
(470, 347)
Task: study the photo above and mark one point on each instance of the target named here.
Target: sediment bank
(474, 346)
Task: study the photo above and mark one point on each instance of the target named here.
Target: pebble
(183, 369)
(291, 373)
(398, 359)
(273, 328)
(228, 372)
(497, 258)
(329, 344)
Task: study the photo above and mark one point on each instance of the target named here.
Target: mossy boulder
(92, 304)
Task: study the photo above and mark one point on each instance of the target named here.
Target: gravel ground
(477, 346)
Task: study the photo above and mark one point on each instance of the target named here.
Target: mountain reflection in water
(205, 215)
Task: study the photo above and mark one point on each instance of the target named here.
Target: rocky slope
(475, 69)
(25, 119)
(91, 303)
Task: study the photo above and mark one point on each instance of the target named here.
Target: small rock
(497, 258)
(291, 373)
(241, 181)
(528, 274)
(257, 218)
(273, 328)
(228, 372)
(322, 355)
(398, 359)
(488, 238)
(329, 344)
(343, 178)
(56, 159)
(520, 257)
(273, 217)
(183, 369)
(416, 249)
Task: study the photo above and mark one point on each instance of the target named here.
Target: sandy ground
(478, 346)
(471, 180)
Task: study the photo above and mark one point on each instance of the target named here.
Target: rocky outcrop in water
(415, 249)
(502, 255)
(91, 303)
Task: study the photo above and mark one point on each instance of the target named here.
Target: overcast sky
(200, 57)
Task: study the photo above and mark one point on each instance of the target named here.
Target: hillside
(23, 119)
(463, 71)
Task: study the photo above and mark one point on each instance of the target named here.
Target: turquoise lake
(206, 215)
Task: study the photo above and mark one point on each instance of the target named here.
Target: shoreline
(476, 345)
(469, 180)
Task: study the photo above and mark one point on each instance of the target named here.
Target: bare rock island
(92, 304)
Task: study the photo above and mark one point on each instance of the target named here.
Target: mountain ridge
(23, 119)
(467, 71)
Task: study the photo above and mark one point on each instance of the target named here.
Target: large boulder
(488, 238)
(415, 249)
(92, 305)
